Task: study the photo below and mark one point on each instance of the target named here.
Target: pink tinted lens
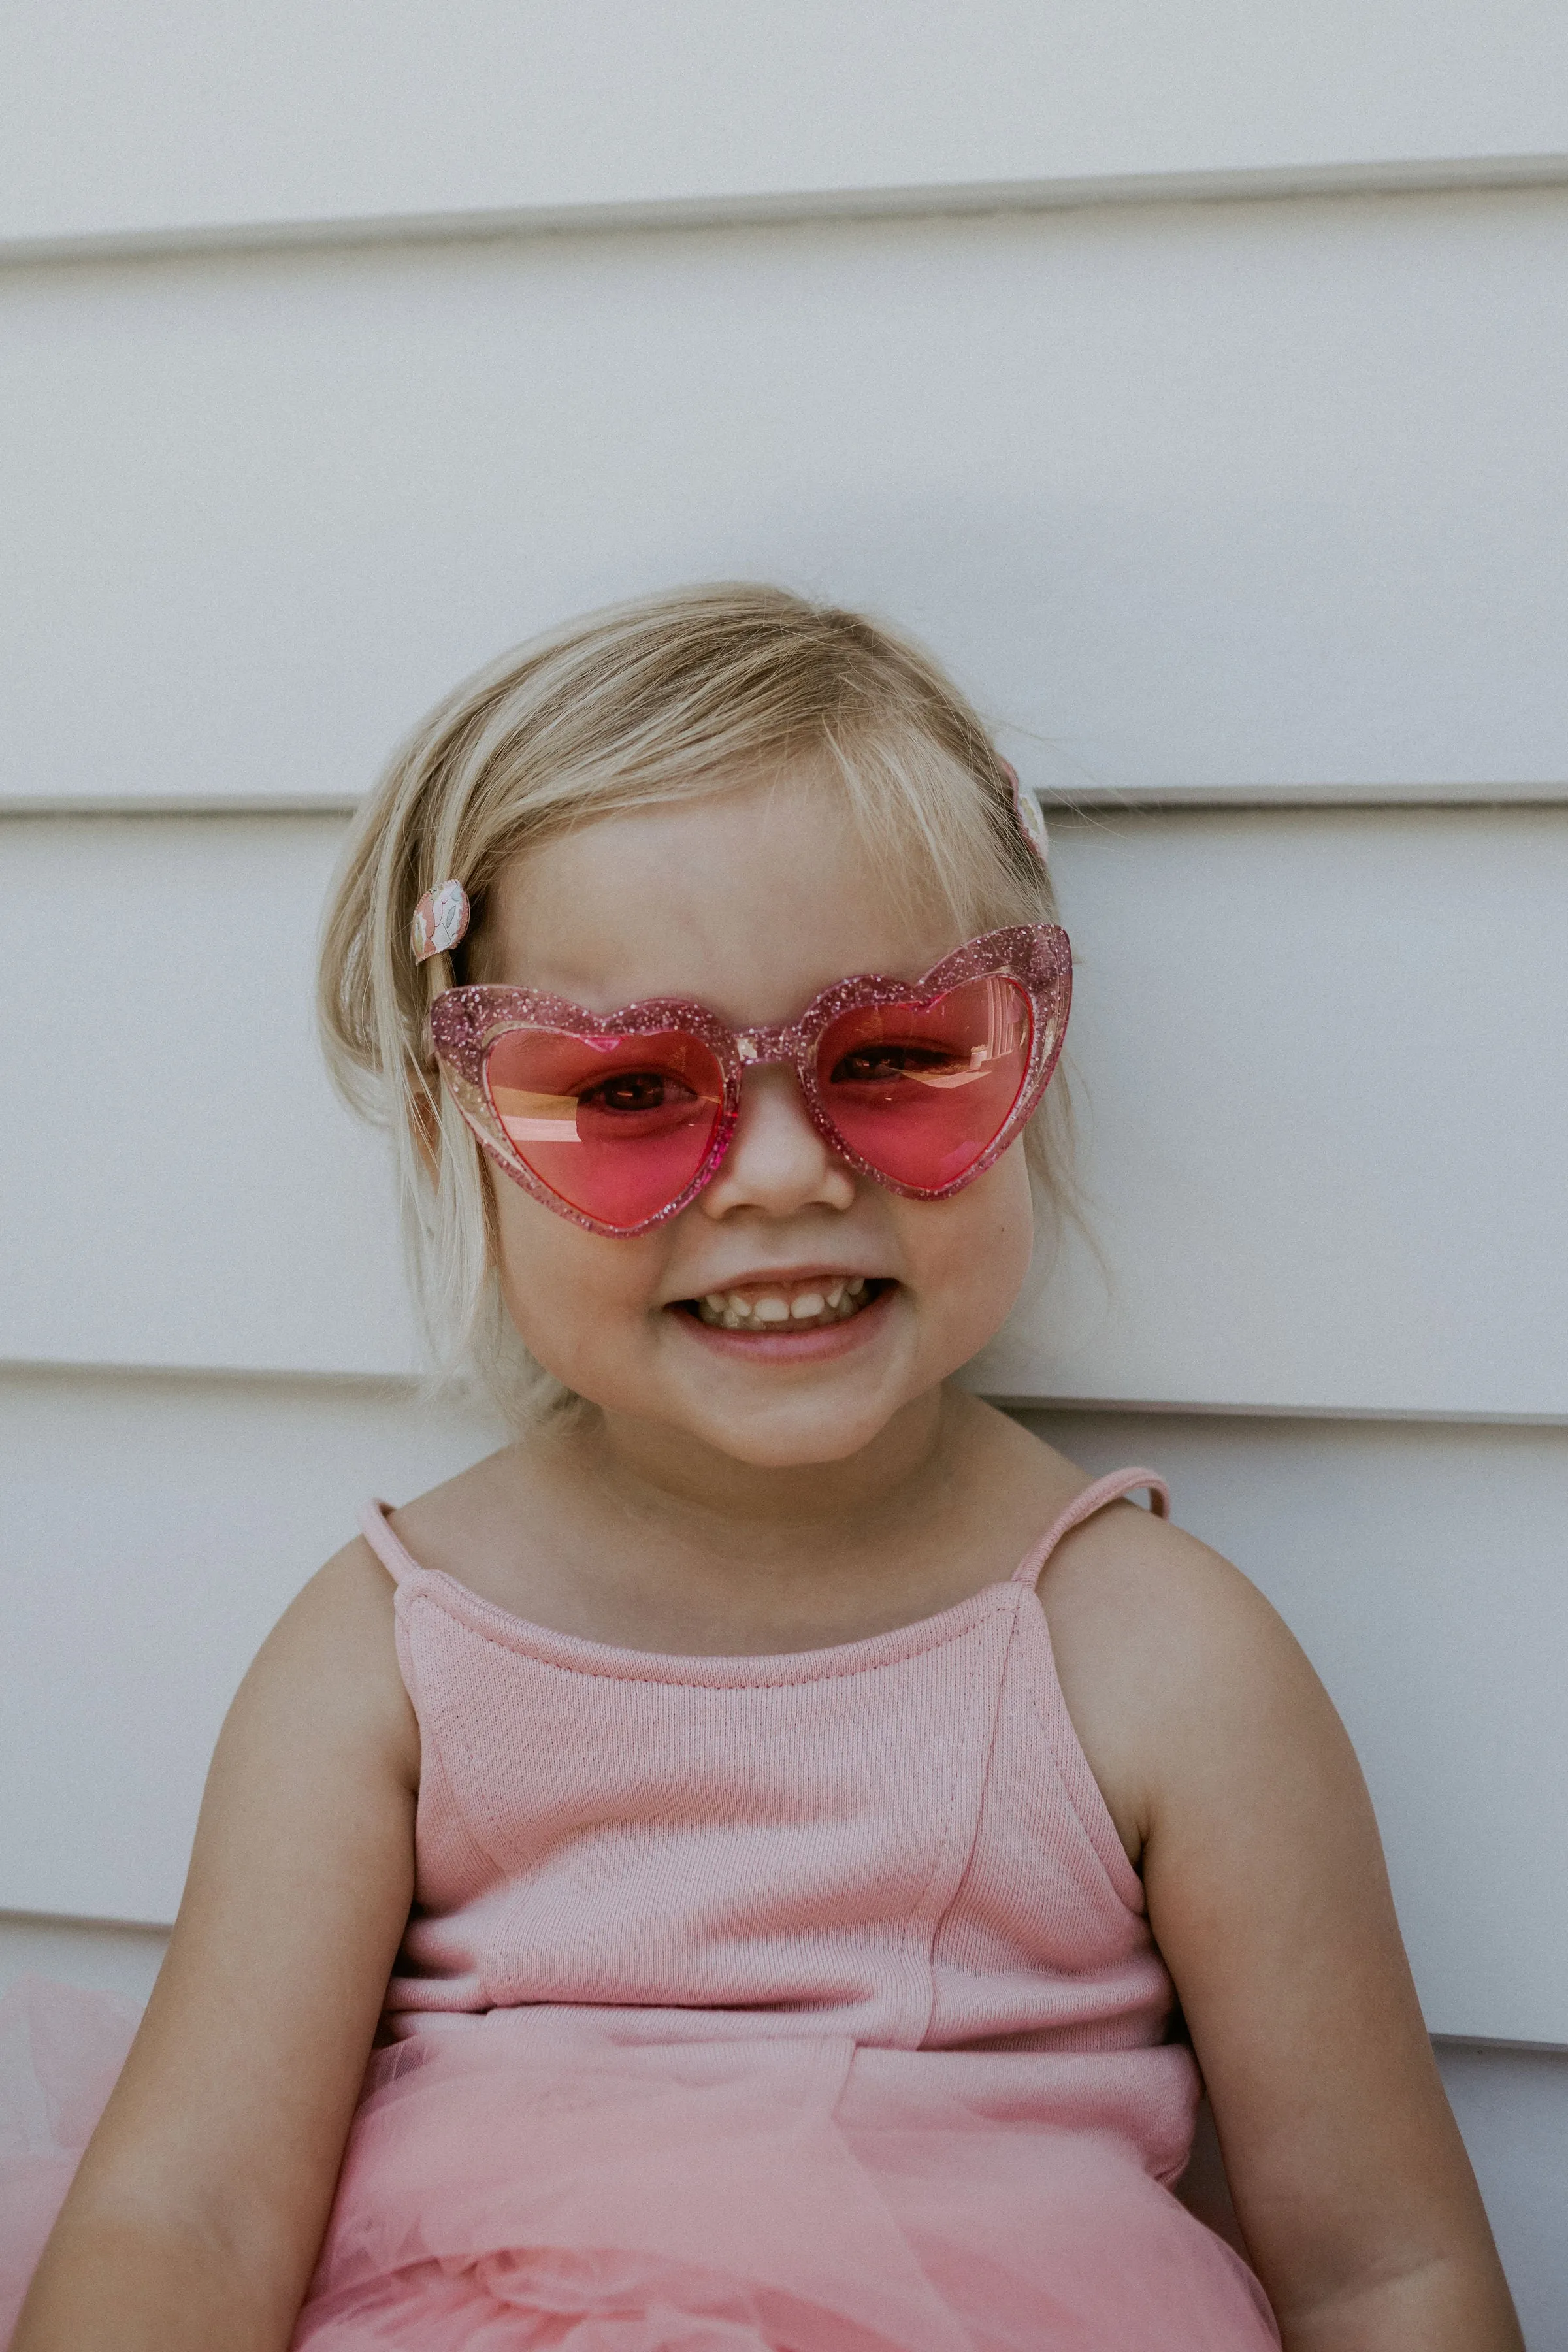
(921, 1091)
(615, 1127)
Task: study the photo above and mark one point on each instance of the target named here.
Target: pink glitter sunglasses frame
(466, 1024)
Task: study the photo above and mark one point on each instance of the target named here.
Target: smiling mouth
(773, 1308)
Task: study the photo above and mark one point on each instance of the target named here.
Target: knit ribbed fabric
(750, 2003)
(898, 1839)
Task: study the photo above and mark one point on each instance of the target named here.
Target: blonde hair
(675, 698)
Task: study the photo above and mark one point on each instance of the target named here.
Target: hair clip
(1029, 814)
(439, 920)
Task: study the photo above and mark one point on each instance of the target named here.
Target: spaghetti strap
(398, 1561)
(1108, 1489)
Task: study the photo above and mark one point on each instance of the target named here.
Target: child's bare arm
(1270, 1900)
(198, 2210)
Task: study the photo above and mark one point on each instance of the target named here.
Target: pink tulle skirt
(525, 2180)
(60, 2053)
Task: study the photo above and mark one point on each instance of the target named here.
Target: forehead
(750, 901)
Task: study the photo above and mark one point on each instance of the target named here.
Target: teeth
(728, 1310)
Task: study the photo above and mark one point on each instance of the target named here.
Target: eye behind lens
(882, 1065)
(637, 1090)
(920, 1092)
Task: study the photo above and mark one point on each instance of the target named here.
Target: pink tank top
(801, 2001)
(896, 1841)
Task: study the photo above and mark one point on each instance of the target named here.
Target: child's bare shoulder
(1151, 1582)
(347, 1605)
(1172, 1663)
(327, 1673)
(472, 1526)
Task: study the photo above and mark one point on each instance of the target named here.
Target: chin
(793, 1437)
(794, 1449)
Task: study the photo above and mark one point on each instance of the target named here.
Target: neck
(656, 1476)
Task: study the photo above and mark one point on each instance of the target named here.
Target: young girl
(761, 1861)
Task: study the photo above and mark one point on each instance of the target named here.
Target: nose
(776, 1163)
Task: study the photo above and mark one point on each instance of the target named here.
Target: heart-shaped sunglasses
(618, 1119)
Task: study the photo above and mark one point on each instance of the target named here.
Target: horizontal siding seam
(1433, 792)
(759, 208)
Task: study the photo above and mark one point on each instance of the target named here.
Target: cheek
(971, 1257)
(571, 1294)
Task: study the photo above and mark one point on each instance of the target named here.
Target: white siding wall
(1243, 519)
(171, 117)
